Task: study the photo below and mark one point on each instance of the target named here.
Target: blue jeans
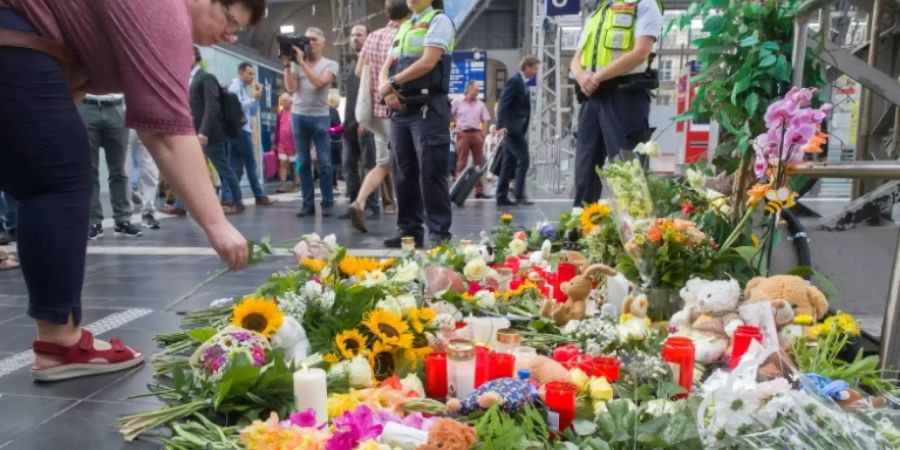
(217, 152)
(241, 157)
(309, 130)
(9, 209)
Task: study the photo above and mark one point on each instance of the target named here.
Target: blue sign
(467, 66)
(563, 7)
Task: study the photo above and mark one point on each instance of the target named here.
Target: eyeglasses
(233, 27)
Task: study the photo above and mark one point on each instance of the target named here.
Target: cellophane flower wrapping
(748, 409)
(215, 356)
(626, 183)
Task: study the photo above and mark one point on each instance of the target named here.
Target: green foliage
(350, 306)
(745, 60)
(498, 430)
(280, 283)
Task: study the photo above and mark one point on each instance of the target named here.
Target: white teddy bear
(689, 294)
(713, 319)
(292, 338)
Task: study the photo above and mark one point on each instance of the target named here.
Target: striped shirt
(375, 53)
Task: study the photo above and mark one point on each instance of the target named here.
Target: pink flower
(354, 427)
(800, 96)
(780, 112)
(304, 419)
(760, 166)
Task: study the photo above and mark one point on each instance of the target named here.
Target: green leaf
(751, 103)
(584, 427)
(750, 41)
(714, 25)
(202, 335)
(747, 253)
(767, 61)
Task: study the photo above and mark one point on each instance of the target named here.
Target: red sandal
(82, 359)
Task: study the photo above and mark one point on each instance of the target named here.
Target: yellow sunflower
(353, 266)
(387, 263)
(414, 356)
(350, 343)
(331, 358)
(382, 360)
(593, 214)
(427, 315)
(389, 328)
(257, 314)
(314, 265)
(420, 317)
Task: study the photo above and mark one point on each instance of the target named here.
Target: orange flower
(757, 193)
(654, 235)
(816, 142)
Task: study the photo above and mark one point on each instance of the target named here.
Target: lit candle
(564, 273)
(502, 365)
(461, 368)
(561, 403)
(743, 335)
(678, 351)
(482, 365)
(436, 375)
(311, 392)
(565, 353)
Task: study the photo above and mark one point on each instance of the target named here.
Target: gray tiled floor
(77, 414)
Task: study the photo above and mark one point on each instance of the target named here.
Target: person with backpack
(206, 98)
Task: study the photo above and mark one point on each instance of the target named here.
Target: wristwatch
(394, 83)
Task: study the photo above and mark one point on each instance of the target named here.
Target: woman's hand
(229, 244)
(386, 89)
(392, 101)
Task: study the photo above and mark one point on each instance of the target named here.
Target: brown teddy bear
(803, 297)
(448, 434)
(577, 289)
(545, 370)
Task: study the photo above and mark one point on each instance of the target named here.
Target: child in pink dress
(284, 144)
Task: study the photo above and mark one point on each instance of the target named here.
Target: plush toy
(577, 289)
(510, 393)
(636, 306)
(292, 338)
(575, 257)
(544, 370)
(448, 434)
(841, 392)
(713, 319)
(803, 297)
(689, 295)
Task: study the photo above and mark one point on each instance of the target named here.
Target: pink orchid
(801, 96)
(354, 427)
(303, 419)
(780, 112)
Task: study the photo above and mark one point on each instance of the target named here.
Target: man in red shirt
(471, 117)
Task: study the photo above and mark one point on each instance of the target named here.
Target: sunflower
(387, 263)
(414, 356)
(350, 343)
(331, 358)
(389, 328)
(382, 360)
(314, 265)
(353, 266)
(257, 314)
(420, 317)
(593, 215)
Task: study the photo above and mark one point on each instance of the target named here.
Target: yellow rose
(579, 379)
(600, 390)
(517, 246)
(476, 269)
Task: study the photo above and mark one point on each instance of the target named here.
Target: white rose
(517, 246)
(327, 300)
(391, 305)
(412, 383)
(650, 149)
(445, 322)
(312, 289)
(330, 241)
(301, 250)
(476, 270)
(407, 301)
(360, 373)
(577, 212)
(485, 299)
(695, 178)
(374, 278)
(471, 251)
(632, 330)
(406, 273)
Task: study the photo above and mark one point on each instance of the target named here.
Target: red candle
(741, 342)
(482, 365)
(565, 272)
(560, 399)
(565, 353)
(678, 351)
(583, 362)
(502, 365)
(607, 367)
(436, 375)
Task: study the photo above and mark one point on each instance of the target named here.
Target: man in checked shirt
(375, 53)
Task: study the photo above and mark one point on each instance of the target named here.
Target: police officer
(415, 83)
(611, 67)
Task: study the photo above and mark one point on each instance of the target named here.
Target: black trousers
(515, 163)
(358, 159)
(608, 123)
(45, 163)
(420, 142)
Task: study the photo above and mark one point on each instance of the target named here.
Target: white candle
(524, 355)
(484, 329)
(311, 392)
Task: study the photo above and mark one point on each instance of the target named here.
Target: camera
(287, 43)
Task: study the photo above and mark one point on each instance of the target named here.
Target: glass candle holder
(561, 404)
(524, 354)
(678, 351)
(501, 365)
(743, 335)
(436, 375)
(482, 365)
(607, 367)
(565, 353)
(507, 340)
(564, 273)
(460, 368)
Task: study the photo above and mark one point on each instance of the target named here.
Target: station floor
(137, 287)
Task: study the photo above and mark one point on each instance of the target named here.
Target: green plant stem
(738, 230)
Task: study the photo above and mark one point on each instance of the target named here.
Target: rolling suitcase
(464, 184)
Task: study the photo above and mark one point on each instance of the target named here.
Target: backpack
(233, 119)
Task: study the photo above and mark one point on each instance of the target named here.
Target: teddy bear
(688, 294)
(803, 298)
(448, 434)
(510, 393)
(292, 338)
(578, 289)
(544, 370)
(636, 306)
(713, 319)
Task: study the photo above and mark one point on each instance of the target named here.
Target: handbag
(364, 98)
(60, 52)
(497, 158)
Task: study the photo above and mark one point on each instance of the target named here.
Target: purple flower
(800, 96)
(760, 166)
(780, 112)
(354, 427)
(241, 336)
(303, 419)
(548, 231)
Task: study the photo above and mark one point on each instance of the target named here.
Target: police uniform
(614, 118)
(420, 130)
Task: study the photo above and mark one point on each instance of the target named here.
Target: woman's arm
(182, 163)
